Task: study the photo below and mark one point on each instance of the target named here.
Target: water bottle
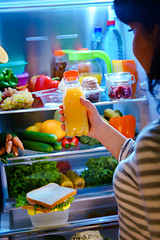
(97, 39)
(112, 42)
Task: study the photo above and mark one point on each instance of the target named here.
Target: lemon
(3, 56)
(32, 128)
(37, 125)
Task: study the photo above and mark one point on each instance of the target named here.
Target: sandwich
(48, 198)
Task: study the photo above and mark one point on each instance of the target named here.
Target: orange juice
(96, 75)
(76, 121)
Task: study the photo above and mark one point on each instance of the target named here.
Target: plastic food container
(22, 79)
(50, 97)
(50, 219)
(119, 85)
(17, 67)
(93, 95)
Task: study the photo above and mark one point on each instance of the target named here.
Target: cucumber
(37, 146)
(109, 113)
(37, 136)
(57, 146)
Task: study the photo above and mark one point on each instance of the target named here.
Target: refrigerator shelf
(77, 163)
(86, 213)
(102, 102)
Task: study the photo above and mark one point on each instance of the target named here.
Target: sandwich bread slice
(50, 195)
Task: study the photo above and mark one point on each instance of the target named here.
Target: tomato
(55, 83)
(31, 83)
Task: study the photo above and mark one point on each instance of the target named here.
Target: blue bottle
(97, 39)
(112, 42)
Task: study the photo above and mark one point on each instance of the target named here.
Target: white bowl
(50, 219)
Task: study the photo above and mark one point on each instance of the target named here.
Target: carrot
(8, 137)
(15, 150)
(2, 150)
(18, 142)
(8, 146)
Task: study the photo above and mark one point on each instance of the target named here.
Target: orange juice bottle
(76, 121)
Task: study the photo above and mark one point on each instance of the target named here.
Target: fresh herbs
(100, 171)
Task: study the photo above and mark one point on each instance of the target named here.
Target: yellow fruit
(3, 56)
(37, 125)
(32, 128)
(53, 126)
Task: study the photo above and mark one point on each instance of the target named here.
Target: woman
(137, 177)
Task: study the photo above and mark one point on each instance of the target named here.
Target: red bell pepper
(66, 143)
(70, 142)
(43, 82)
(74, 141)
(63, 166)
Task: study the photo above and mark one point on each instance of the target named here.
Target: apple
(32, 82)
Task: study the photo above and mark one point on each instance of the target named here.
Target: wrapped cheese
(126, 66)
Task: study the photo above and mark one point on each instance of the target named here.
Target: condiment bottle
(76, 120)
(59, 64)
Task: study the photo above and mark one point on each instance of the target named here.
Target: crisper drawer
(98, 213)
(77, 163)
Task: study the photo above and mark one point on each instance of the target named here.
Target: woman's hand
(62, 118)
(94, 118)
(102, 131)
(95, 121)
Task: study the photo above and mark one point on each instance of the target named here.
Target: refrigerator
(30, 31)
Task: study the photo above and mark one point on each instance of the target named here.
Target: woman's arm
(102, 131)
(105, 133)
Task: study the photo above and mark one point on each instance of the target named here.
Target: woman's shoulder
(149, 135)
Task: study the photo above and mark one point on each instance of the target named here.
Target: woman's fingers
(88, 104)
(61, 111)
(62, 118)
(63, 127)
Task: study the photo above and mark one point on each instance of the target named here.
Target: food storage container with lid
(119, 85)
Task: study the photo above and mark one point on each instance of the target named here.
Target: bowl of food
(50, 97)
(48, 205)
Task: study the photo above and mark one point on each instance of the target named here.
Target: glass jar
(59, 65)
(119, 85)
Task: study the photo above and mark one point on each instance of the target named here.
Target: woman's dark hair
(146, 12)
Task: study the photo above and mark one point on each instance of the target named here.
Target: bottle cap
(59, 53)
(71, 75)
(111, 23)
(97, 29)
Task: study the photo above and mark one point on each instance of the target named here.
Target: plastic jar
(119, 85)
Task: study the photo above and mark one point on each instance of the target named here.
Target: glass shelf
(103, 101)
(12, 5)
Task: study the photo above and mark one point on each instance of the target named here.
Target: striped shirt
(136, 184)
